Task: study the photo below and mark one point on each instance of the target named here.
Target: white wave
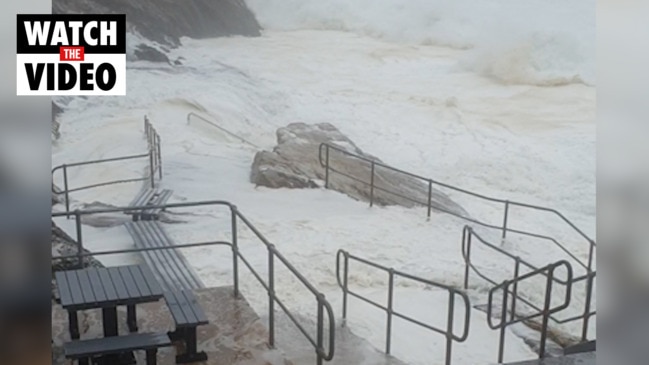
(519, 42)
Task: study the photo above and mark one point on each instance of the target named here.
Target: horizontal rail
(344, 256)
(324, 159)
(324, 307)
(213, 124)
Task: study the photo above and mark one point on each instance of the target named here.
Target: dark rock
(294, 163)
(64, 245)
(56, 111)
(148, 53)
(165, 21)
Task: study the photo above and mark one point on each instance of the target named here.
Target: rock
(148, 53)
(294, 163)
(165, 21)
(63, 245)
(56, 111)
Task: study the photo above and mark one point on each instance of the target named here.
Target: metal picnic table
(107, 288)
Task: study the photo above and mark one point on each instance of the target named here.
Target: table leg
(73, 324)
(109, 318)
(131, 318)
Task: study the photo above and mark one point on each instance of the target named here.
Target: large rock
(64, 245)
(294, 163)
(165, 21)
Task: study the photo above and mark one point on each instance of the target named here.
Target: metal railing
(274, 256)
(453, 292)
(324, 159)
(544, 312)
(467, 239)
(215, 125)
(153, 155)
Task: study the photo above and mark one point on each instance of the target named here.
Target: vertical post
(320, 346)
(77, 216)
(515, 290)
(235, 251)
(271, 296)
(505, 219)
(589, 293)
(326, 166)
(151, 169)
(388, 334)
(449, 326)
(430, 197)
(159, 157)
(372, 185)
(546, 312)
(503, 324)
(467, 263)
(345, 287)
(67, 194)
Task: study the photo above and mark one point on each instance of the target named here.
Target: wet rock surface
(294, 163)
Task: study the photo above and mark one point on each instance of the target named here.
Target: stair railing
(342, 263)
(215, 125)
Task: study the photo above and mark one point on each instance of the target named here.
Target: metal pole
(326, 166)
(515, 290)
(505, 219)
(77, 216)
(430, 197)
(67, 194)
(235, 251)
(388, 334)
(271, 296)
(158, 145)
(372, 186)
(151, 171)
(320, 350)
(467, 263)
(503, 324)
(345, 287)
(546, 313)
(589, 293)
(449, 326)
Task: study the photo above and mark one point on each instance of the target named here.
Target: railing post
(449, 326)
(151, 169)
(67, 194)
(503, 324)
(467, 263)
(271, 296)
(77, 216)
(158, 145)
(320, 341)
(505, 218)
(345, 287)
(235, 251)
(546, 312)
(589, 293)
(515, 289)
(388, 335)
(430, 197)
(326, 166)
(372, 185)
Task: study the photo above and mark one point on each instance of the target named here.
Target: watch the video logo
(78, 54)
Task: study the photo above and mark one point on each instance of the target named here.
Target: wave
(540, 42)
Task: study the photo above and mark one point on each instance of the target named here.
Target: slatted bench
(168, 265)
(146, 197)
(187, 315)
(86, 350)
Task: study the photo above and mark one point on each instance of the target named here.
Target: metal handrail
(448, 332)
(269, 285)
(324, 159)
(213, 124)
(545, 312)
(153, 154)
(468, 233)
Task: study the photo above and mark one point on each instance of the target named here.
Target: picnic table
(107, 288)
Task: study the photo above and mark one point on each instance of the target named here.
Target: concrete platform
(587, 358)
(235, 335)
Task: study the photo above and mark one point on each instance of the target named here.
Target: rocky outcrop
(56, 111)
(294, 163)
(165, 21)
(144, 52)
(64, 245)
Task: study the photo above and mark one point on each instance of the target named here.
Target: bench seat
(84, 350)
(187, 315)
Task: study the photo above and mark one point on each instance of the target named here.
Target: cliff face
(165, 21)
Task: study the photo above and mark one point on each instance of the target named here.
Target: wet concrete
(235, 335)
(587, 358)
